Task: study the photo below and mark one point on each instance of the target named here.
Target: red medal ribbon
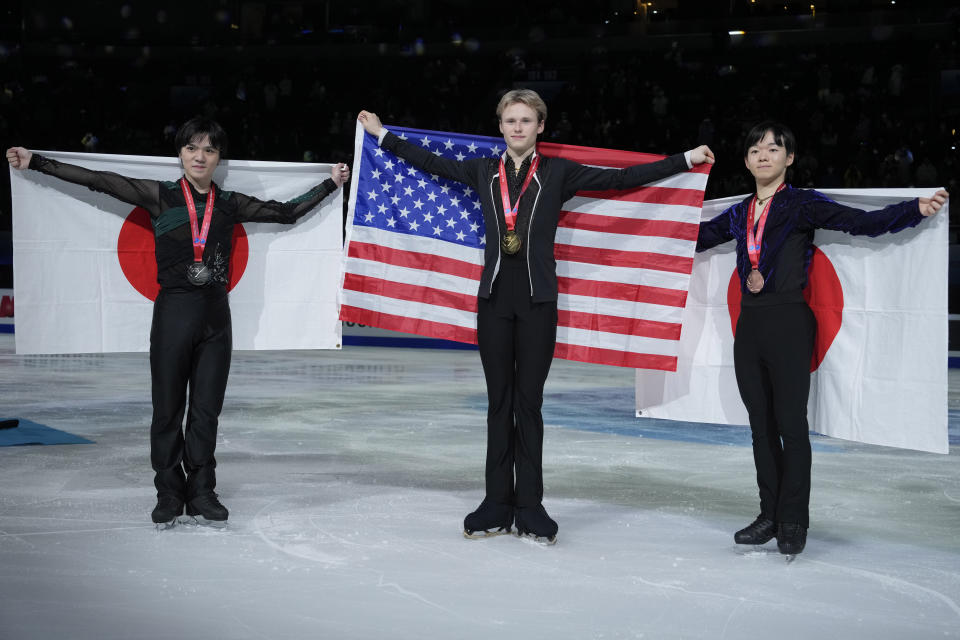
(199, 235)
(753, 242)
(510, 212)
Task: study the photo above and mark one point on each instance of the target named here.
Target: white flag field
(74, 296)
(883, 377)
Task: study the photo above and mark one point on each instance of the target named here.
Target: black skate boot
(533, 522)
(206, 509)
(168, 509)
(490, 519)
(759, 531)
(791, 538)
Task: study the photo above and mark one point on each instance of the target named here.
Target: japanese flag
(880, 362)
(85, 274)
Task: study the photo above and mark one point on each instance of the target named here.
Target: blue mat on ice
(28, 432)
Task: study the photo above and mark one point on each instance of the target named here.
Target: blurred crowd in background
(872, 91)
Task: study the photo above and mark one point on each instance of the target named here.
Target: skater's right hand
(18, 157)
(371, 123)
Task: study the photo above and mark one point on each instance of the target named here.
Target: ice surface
(348, 475)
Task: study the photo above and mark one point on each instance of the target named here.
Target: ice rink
(348, 474)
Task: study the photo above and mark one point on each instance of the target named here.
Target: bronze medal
(511, 242)
(755, 281)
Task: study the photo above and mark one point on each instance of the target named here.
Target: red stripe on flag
(415, 260)
(411, 292)
(408, 325)
(598, 156)
(651, 195)
(616, 324)
(615, 358)
(622, 291)
(629, 226)
(633, 259)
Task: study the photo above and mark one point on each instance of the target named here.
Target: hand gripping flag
(414, 252)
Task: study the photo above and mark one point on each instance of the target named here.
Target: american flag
(414, 252)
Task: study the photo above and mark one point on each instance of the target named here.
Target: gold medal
(510, 242)
(755, 281)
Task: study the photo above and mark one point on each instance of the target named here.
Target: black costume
(517, 306)
(774, 339)
(190, 338)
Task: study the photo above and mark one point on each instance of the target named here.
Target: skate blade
(200, 521)
(543, 541)
(166, 526)
(753, 550)
(790, 557)
(481, 535)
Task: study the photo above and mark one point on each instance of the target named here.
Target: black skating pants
(516, 339)
(771, 354)
(190, 347)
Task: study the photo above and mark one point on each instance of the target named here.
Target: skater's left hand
(929, 206)
(701, 154)
(340, 173)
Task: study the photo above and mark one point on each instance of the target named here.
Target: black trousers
(190, 347)
(771, 355)
(516, 339)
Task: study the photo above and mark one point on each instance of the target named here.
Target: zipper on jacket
(533, 212)
(496, 267)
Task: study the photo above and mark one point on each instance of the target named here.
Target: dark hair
(198, 127)
(781, 135)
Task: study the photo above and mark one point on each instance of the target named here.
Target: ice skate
(167, 512)
(791, 539)
(490, 519)
(207, 510)
(533, 523)
(759, 531)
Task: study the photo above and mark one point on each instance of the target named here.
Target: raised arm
(824, 213)
(464, 172)
(584, 178)
(250, 209)
(135, 191)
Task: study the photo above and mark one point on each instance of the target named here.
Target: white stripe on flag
(429, 246)
(616, 341)
(411, 276)
(625, 275)
(620, 308)
(623, 242)
(411, 309)
(696, 181)
(632, 210)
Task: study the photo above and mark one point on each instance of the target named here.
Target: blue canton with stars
(394, 195)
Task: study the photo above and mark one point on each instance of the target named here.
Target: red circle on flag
(138, 258)
(823, 293)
